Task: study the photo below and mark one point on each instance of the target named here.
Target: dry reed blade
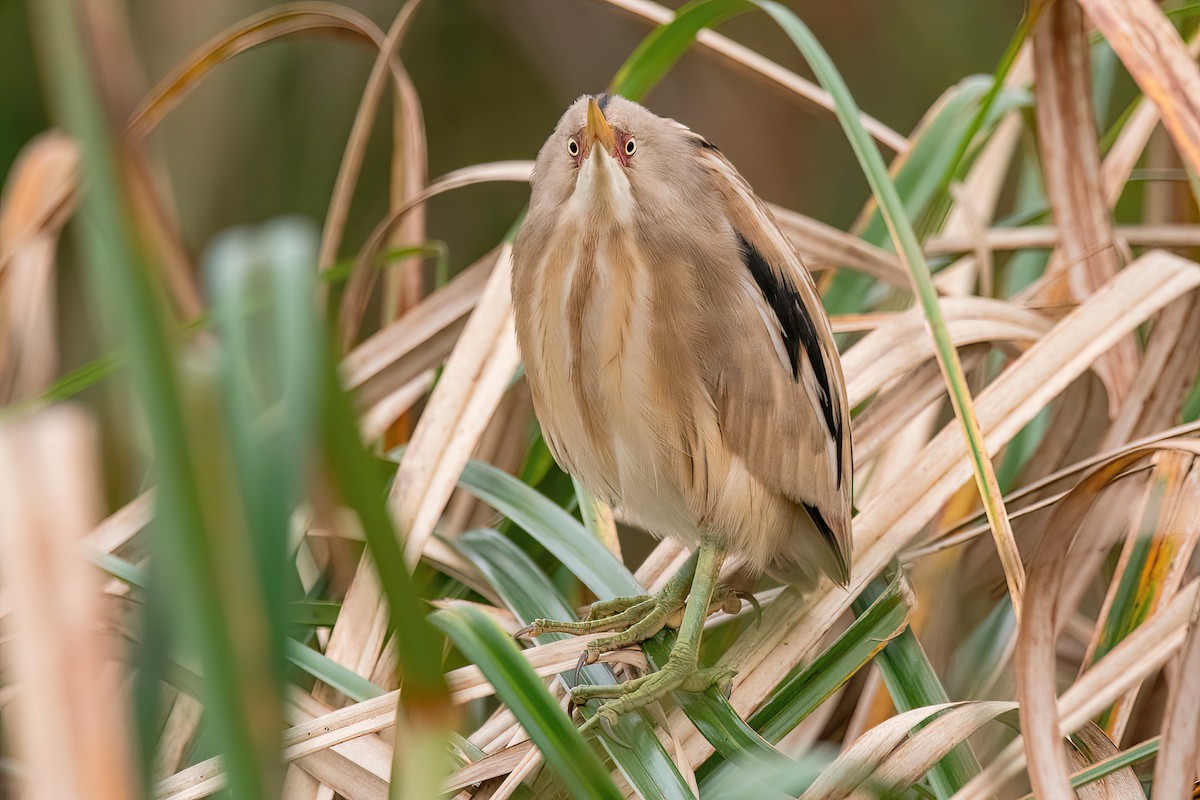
(475, 377)
(70, 729)
(1145, 651)
(358, 288)
(1150, 48)
(1158, 549)
(1086, 256)
(360, 131)
(335, 727)
(38, 196)
(1090, 746)
(300, 17)
(1175, 767)
(1040, 714)
(913, 758)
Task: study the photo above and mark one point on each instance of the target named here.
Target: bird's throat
(602, 190)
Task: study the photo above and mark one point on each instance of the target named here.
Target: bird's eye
(572, 147)
(630, 146)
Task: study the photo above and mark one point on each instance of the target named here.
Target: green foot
(684, 603)
(676, 675)
(602, 609)
(638, 619)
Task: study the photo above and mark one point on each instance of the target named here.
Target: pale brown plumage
(680, 361)
(682, 369)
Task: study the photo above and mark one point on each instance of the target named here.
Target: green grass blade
(912, 683)
(807, 687)
(122, 282)
(659, 51)
(313, 614)
(529, 594)
(558, 531)
(363, 489)
(325, 669)
(909, 249)
(425, 699)
(568, 540)
(801, 693)
(516, 684)
(269, 391)
(346, 681)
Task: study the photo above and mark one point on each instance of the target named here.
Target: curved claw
(749, 597)
(606, 725)
(528, 632)
(581, 663)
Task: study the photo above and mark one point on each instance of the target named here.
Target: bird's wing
(782, 405)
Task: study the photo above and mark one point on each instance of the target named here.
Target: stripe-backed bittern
(683, 369)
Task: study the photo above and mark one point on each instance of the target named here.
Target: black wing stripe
(797, 329)
(827, 533)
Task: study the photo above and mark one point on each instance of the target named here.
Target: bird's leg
(634, 619)
(682, 670)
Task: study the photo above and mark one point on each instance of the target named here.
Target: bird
(682, 368)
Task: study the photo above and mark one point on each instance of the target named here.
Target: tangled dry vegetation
(1024, 621)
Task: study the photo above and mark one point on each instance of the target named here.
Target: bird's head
(610, 156)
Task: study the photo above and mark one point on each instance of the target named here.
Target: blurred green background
(263, 135)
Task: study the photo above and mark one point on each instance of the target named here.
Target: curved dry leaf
(38, 197)
(358, 288)
(1141, 653)
(1150, 48)
(1086, 256)
(961, 533)
(858, 762)
(901, 345)
(39, 192)
(271, 24)
(1090, 746)
(913, 758)
(1036, 653)
(760, 67)
(360, 132)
